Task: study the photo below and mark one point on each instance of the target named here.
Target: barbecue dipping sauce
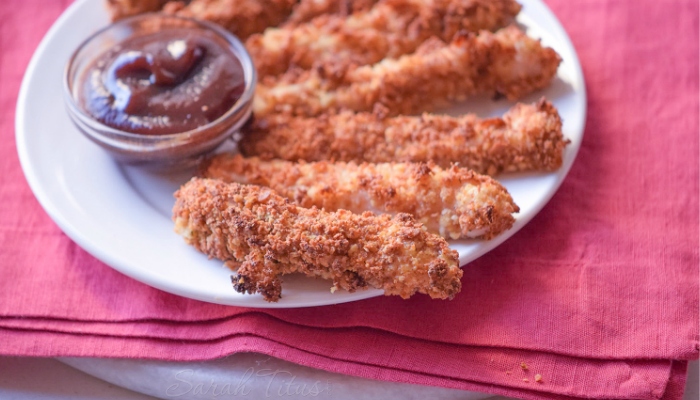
(164, 82)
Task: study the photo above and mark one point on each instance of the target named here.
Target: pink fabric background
(599, 293)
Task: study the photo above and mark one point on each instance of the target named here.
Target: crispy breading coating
(119, 9)
(307, 10)
(454, 203)
(266, 236)
(507, 62)
(390, 29)
(527, 138)
(241, 17)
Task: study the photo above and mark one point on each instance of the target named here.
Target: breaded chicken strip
(507, 62)
(302, 11)
(266, 236)
(307, 10)
(527, 138)
(241, 17)
(454, 203)
(390, 29)
(119, 9)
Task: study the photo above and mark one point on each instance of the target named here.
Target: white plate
(121, 215)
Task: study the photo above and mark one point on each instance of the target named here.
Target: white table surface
(41, 378)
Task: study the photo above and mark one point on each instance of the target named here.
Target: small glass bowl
(176, 149)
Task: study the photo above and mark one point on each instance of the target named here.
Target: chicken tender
(119, 9)
(241, 17)
(454, 203)
(390, 29)
(507, 63)
(527, 138)
(307, 10)
(265, 236)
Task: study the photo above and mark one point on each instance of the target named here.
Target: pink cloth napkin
(598, 294)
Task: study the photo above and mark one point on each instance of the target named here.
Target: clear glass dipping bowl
(177, 149)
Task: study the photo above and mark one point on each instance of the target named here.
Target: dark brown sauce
(165, 82)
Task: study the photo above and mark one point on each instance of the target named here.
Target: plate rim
(63, 222)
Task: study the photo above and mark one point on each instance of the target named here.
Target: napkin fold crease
(644, 380)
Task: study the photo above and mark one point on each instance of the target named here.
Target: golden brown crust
(527, 138)
(507, 62)
(307, 10)
(454, 203)
(266, 236)
(119, 9)
(241, 17)
(390, 29)
(296, 13)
